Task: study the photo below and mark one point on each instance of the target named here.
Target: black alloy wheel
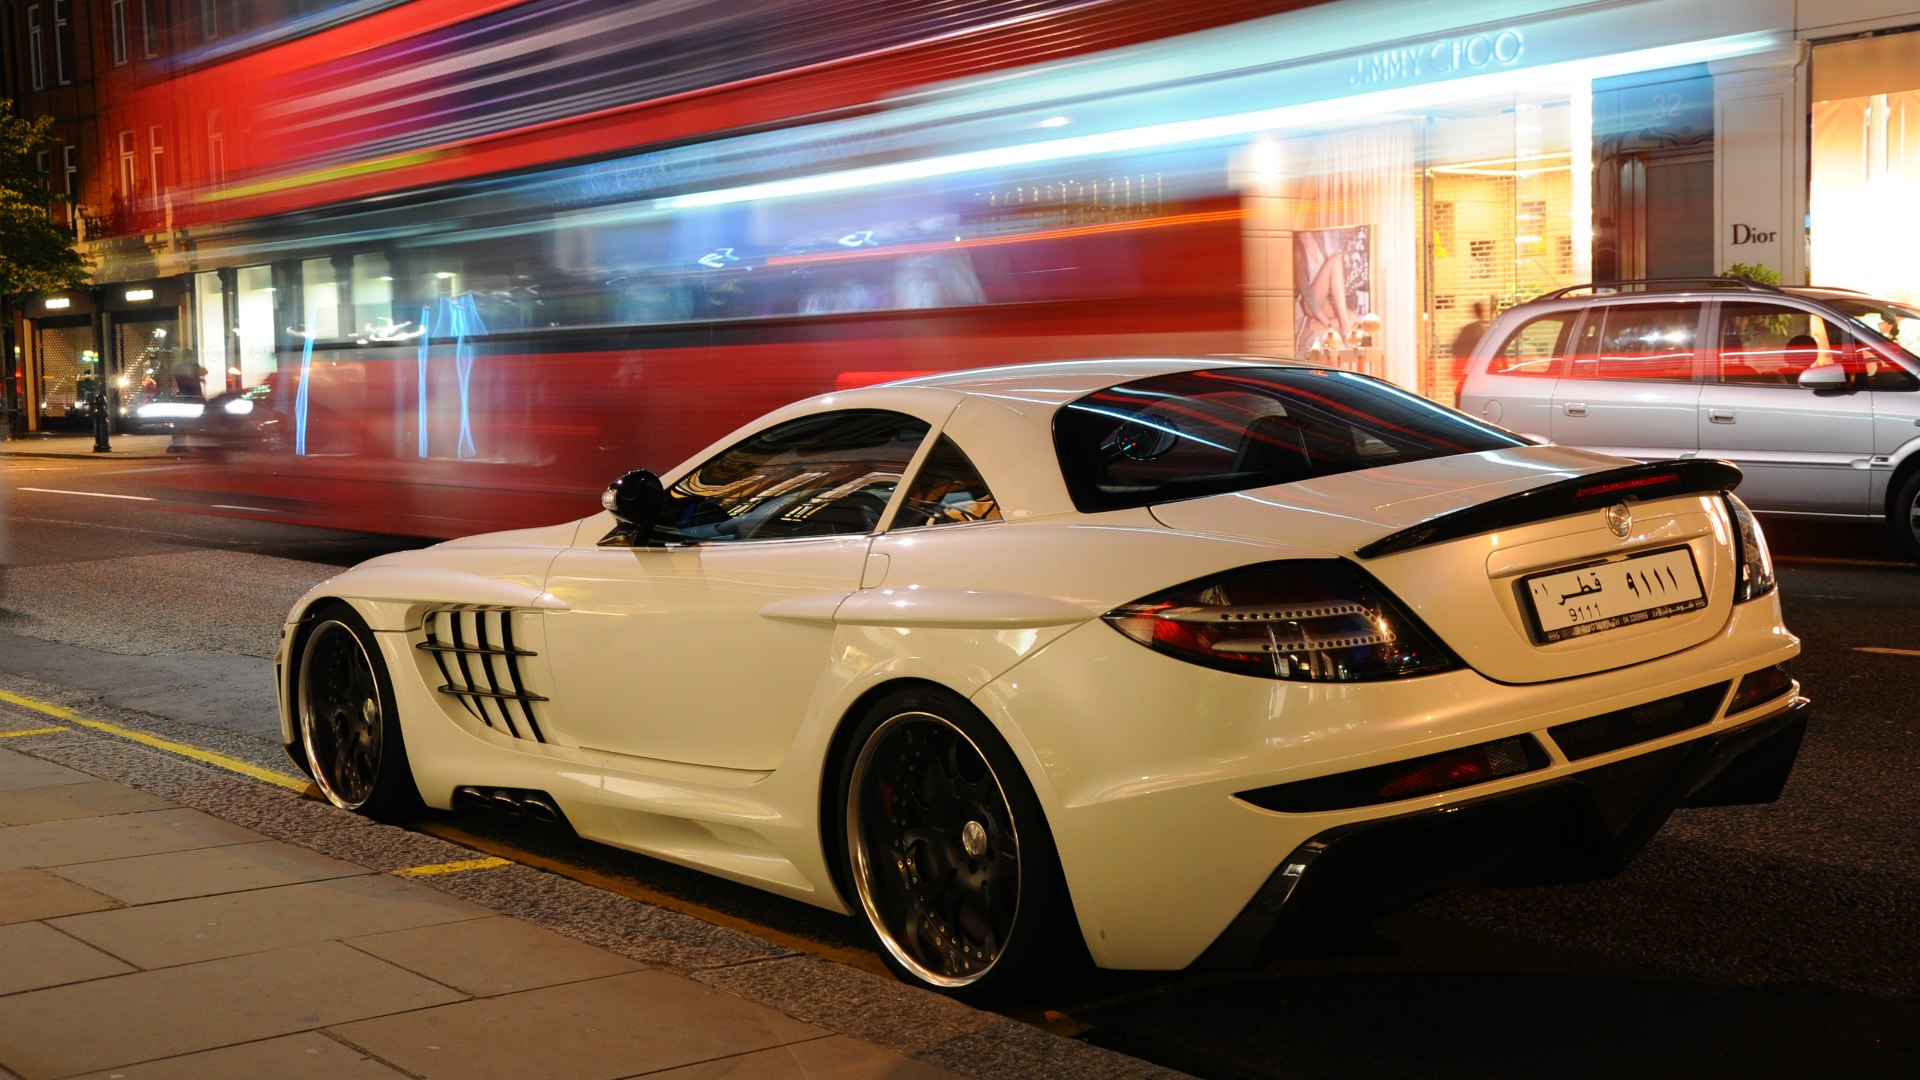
(1905, 516)
(346, 719)
(947, 849)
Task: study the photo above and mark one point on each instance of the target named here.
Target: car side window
(1534, 348)
(1764, 344)
(1637, 341)
(948, 490)
(825, 475)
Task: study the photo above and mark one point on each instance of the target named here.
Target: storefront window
(1866, 158)
(216, 353)
(254, 328)
(320, 295)
(372, 290)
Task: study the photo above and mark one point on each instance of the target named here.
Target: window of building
(35, 61)
(118, 29)
(156, 153)
(209, 19)
(216, 149)
(321, 293)
(70, 168)
(209, 298)
(63, 41)
(373, 316)
(149, 35)
(42, 164)
(253, 331)
(129, 174)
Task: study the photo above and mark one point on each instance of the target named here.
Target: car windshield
(1199, 433)
(1897, 323)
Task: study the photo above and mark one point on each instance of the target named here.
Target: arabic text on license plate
(1605, 596)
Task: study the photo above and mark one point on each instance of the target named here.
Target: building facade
(1399, 170)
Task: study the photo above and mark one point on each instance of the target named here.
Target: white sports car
(1164, 656)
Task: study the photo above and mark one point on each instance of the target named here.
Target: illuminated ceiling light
(55, 303)
(443, 275)
(1055, 121)
(1420, 99)
(139, 294)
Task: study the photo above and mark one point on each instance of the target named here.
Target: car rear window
(1199, 433)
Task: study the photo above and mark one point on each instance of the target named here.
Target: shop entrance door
(68, 372)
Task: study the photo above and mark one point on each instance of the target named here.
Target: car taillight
(1307, 621)
(1756, 564)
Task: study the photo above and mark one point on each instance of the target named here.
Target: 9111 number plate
(1608, 595)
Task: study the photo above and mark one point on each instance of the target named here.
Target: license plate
(1608, 595)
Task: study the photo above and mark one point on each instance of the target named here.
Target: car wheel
(946, 849)
(1904, 516)
(348, 729)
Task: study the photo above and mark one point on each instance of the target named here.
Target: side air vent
(482, 667)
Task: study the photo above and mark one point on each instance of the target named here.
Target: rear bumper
(1583, 826)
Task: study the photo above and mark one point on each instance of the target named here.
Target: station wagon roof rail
(1650, 285)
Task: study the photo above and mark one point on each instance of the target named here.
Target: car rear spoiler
(1648, 480)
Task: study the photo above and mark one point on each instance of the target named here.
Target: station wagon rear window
(1198, 433)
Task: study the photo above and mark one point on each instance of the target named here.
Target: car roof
(1068, 379)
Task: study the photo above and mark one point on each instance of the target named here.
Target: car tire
(945, 853)
(1905, 516)
(348, 726)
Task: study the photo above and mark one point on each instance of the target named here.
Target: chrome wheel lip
(323, 766)
(863, 868)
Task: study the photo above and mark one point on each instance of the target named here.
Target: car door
(1801, 450)
(1629, 386)
(669, 651)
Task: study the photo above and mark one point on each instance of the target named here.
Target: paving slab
(235, 924)
(149, 1015)
(82, 840)
(178, 875)
(19, 772)
(61, 802)
(33, 956)
(620, 1026)
(487, 957)
(27, 895)
(307, 1056)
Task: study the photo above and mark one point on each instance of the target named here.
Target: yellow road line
(1887, 652)
(460, 867)
(207, 757)
(30, 731)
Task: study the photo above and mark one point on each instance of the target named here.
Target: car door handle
(1720, 416)
(1576, 408)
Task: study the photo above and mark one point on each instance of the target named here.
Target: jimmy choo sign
(1465, 55)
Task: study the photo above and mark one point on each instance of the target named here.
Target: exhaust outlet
(514, 802)
(540, 808)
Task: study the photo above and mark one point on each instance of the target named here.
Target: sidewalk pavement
(163, 919)
(68, 444)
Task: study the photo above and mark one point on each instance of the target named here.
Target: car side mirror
(634, 500)
(1824, 377)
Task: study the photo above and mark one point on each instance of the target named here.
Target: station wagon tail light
(1756, 565)
(1306, 621)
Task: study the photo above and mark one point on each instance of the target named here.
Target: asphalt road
(1751, 941)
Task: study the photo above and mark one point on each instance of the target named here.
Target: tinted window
(948, 490)
(1637, 341)
(1206, 432)
(1534, 348)
(1763, 344)
(825, 475)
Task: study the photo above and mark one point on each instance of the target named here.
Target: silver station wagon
(1814, 393)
